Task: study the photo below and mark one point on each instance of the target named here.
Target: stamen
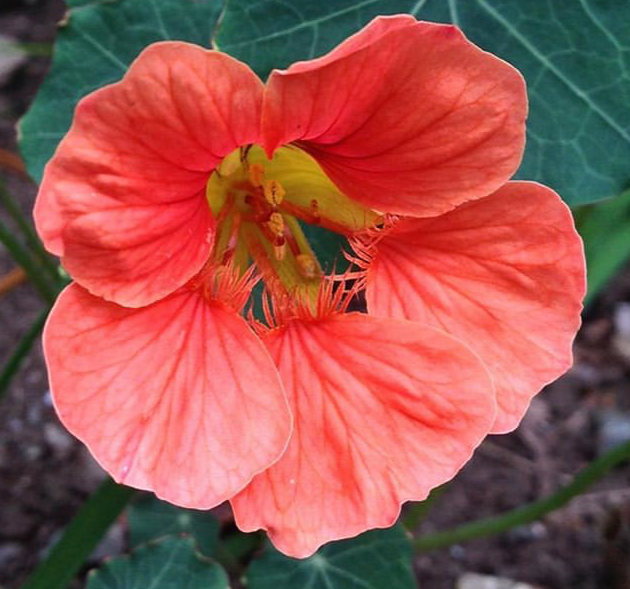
(279, 248)
(276, 223)
(274, 192)
(364, 244)
(256, 174)
(276, 226)
(307, 266)
(334, 295)
(233, 238)
(224, 282)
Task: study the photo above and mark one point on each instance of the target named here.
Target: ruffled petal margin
(384, 411)
(505, 274)
(123, 199)
(179, 397)
(405, 117)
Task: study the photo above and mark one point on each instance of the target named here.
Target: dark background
(45, 474)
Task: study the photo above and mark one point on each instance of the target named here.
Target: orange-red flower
(176, 188)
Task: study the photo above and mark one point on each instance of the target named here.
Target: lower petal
(179, 397)
(384, 411)
(504, 274)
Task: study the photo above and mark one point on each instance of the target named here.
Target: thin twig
(531, 512)
(11, 279)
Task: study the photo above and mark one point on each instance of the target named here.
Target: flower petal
(179, 397)
(504, 274)
(405, 117)
(130, 175)
(384, 410)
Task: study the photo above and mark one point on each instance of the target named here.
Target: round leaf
(149, 519)
(380, 559)
(169, 564)
(95, 45)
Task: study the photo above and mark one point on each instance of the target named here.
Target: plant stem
(36, 49)
(419, 510)
(21, 351)
(81, 537)
(28, 231)
(23, 258)
(531, 512)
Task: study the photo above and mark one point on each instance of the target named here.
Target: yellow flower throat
(257, 202)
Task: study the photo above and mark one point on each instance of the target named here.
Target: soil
(45, 474)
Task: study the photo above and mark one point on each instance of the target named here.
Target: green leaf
(94, 48)
(171, 563)
(605, 230)
(574, 56)
(149, 519)
(380, 559)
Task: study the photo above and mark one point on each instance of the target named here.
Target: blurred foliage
(605, 229)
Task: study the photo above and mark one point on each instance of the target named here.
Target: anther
(256, 174)
(307, 266)
(274, 192)
(276, 223)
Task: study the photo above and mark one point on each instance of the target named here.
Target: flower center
(257, 220)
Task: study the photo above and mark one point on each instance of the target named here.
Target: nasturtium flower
(181, 186)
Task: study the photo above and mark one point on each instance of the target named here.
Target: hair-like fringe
(364, 244)
(334, 295)
(223, 282)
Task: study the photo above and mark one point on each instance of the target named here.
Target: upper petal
(405, 117)
(384, 410)
(129, 177)
(505, 274)
(179, 397)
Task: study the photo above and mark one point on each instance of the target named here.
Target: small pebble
(91, 473)
(528, 533)
(621, 337)
(621, 320)
(457, 551)
(10, 553)
(33, 452)
(111, 545)
(613, 429)
(11, 58)
(475, 581)
(57, 439)
(47, 399)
